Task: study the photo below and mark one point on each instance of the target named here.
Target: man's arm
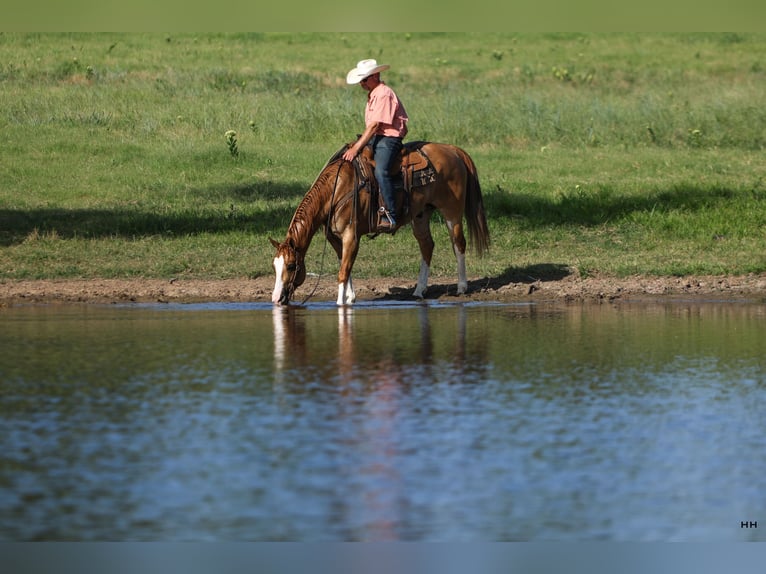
(354, 150)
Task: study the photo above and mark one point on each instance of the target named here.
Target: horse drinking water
(344, 194)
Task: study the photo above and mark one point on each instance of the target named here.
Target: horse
(343, 195)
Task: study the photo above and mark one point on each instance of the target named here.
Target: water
(432, 422)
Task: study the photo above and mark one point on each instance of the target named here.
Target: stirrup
(386, 222)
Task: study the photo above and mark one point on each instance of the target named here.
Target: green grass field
(613, 154)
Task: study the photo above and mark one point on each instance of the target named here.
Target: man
(385, 122)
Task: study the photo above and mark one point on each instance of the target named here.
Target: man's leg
(385, 151)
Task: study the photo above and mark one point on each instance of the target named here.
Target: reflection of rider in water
(385, 126)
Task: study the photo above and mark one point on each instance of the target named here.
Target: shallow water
(387, 421)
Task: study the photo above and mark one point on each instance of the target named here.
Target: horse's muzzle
(284, 297)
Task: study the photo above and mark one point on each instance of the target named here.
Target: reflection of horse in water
(341, 199)
(289, 338)
(360, 353)
(371, 385)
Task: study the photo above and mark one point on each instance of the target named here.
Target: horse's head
(289, 269)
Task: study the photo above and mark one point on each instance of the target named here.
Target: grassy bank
(617, 154)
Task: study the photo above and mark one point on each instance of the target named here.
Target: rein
(327, 226)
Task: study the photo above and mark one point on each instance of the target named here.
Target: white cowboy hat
(364, 69)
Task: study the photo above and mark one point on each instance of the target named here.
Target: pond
(387, 421)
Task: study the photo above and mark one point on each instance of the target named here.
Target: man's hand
(350, 153)
(354, 150)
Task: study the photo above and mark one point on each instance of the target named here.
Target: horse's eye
(291, 266)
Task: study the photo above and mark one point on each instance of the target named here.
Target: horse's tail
(475, 215)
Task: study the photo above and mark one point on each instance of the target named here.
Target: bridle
(293, 269)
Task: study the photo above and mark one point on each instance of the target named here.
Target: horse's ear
(274, 243)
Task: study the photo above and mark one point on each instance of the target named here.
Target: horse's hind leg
(455, 228)
(421, 229)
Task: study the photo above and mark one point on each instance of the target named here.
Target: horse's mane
(306, 219)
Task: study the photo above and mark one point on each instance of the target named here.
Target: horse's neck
(310, 215)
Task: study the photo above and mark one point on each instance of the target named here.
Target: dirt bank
(567, 289)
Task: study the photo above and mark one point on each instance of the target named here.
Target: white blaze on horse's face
(279, 268)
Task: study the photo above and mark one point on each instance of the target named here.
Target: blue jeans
(384, 150)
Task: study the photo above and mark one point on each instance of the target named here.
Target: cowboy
(385, 125)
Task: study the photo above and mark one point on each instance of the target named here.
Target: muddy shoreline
(568, 289)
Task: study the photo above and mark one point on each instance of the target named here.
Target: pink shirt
(384, 107)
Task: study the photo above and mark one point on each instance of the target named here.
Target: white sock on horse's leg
(346, 295)
(422, 285)
(350, 294)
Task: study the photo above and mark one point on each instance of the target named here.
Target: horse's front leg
(346, 295)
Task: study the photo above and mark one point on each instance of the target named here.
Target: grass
(613, 154)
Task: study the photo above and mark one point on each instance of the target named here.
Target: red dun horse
(340, 201)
